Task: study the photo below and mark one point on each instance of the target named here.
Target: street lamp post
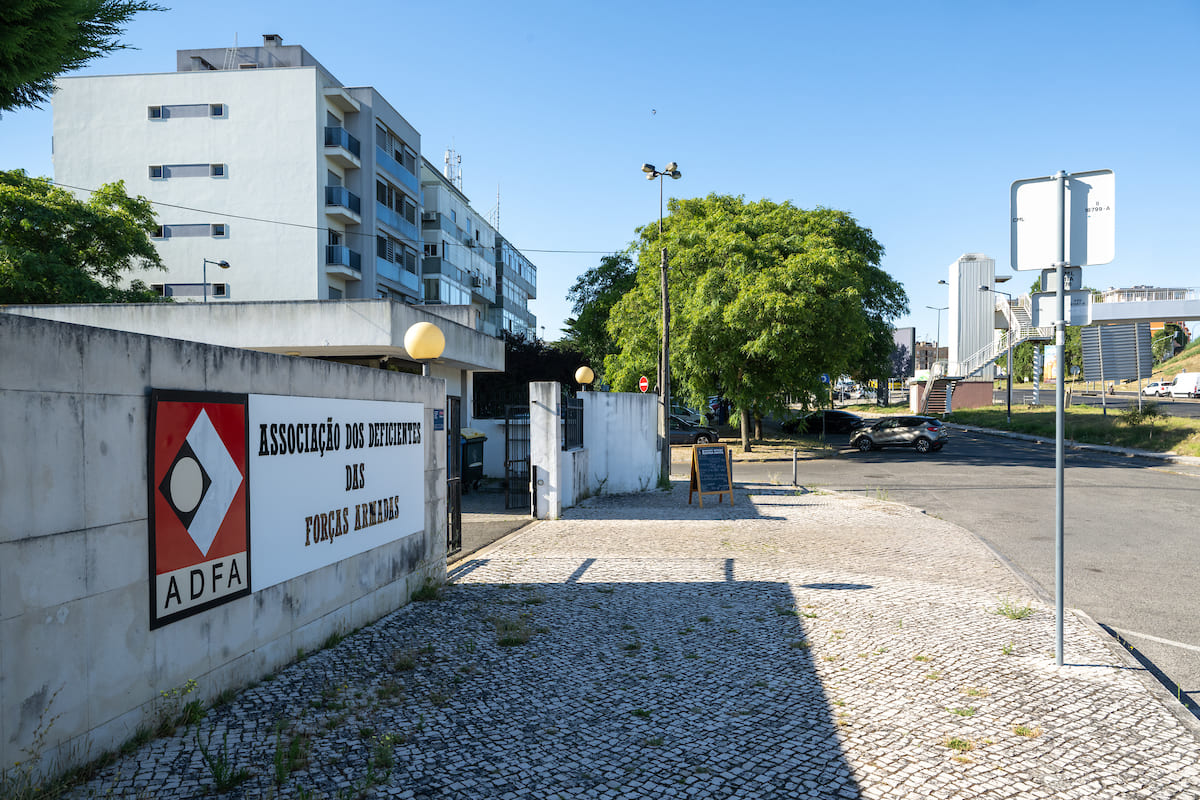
(222, 264)
(584, 376)
(1008, 340)
(664, 360)
(937, 343)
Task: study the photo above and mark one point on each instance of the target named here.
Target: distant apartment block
(307, 188)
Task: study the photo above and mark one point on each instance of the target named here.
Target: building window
(158, 289)
(218, 230)
(156, 171)
(246, 66)
(154, 112)
(159, 232)
(431, 249)
(216, 109)
(335, 293)
(216, 170)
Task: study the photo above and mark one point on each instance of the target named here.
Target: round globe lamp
(424, 342)
(584, 376)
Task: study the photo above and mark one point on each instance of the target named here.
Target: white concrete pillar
(545, 448)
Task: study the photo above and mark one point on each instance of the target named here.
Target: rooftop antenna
(493, 216)
(453, 170)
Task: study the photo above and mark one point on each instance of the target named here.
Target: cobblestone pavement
(791, 645)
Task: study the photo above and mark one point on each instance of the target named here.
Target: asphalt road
(1131, 544)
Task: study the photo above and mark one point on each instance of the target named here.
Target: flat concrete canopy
(312, 328)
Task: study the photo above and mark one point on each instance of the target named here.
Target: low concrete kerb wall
(1099, 448)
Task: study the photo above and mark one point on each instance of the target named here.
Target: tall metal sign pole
(1082, 207)
(1060, 353)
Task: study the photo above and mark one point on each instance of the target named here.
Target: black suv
(920, 433)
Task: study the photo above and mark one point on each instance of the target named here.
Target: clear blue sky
(914, 117)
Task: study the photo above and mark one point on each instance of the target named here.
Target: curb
(1099, 448)
(1145, 674)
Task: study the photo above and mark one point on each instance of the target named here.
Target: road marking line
(1157, 639)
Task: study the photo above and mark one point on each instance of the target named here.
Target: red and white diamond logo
(198, 511)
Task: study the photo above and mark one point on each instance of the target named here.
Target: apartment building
(458, 266)
(516, 285)
(260, 158)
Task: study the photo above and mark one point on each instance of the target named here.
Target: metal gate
(453, 476)
(516, 458)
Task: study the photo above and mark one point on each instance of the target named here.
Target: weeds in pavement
(971, 691)
(958, 743)
(225, 773)
(1008, 649)
(967, 711)
(1027, 731)
(430, 590)
(1013, 611)
(511, 632)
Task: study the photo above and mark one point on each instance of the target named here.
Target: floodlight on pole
(664, 362)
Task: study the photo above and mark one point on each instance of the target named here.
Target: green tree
(55, 248)
(42, 39)
(525, 360)
(765, 297)
(593, 296)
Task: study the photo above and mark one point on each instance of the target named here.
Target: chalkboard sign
(712, 472)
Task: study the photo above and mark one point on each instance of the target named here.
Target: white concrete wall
(74, 600)
(620, 432)
(271, 140)
(618, 455)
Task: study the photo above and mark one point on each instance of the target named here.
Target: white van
(1186, 384)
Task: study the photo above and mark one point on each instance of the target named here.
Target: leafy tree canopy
(55, 248)
(765, 297)
(592, 296)
(42, 39)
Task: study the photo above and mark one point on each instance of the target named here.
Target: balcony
(397, 274)
(341, 260)
(392, 167)
(343, 204)
(396, 222)
(342, 148)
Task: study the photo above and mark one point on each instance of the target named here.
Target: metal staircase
(1020, 327)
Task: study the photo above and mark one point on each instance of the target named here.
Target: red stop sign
(643, 383)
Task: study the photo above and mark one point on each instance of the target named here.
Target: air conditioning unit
(429, 216)
(476, 281)
(470, 243)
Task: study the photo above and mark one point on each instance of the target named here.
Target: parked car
(685, 433)
(1157, 389)
(835, 421)
(688, 415)
(1186, 384)
(717, 410)
(921, 433)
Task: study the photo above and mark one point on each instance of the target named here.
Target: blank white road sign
(1090, 213)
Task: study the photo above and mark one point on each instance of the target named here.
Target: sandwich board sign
(712, 472)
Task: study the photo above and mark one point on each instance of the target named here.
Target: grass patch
(971, 691)
(1013, 611)
(967, 711)
(511, 632)
(430, 590)
(1027, 731)
(1088, 424)
(640, 712)
(958, 744)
